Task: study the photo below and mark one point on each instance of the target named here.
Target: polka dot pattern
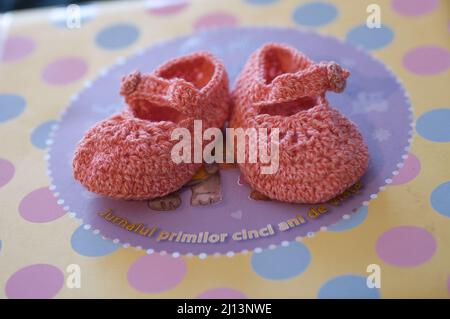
(40, 206)
(411, 168)
(414, 7)
(40, 281)
(427, 60)
(6, 171)
(117, 36)
(370, 39)
(282, 262)
(156, 273)
(355, 220)
(64, 71)
(41, 133)
(348, 287)
(158, 8)
(433, 125)
(315, 14)
(11, 106)
(406, 246)
(440, 199)
(215, 20)
(222, 293)
(448, 284)
(424, 60)
(86, 243)
(17, 48)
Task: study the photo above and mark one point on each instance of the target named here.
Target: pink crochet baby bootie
(321, 153)
(128, 155)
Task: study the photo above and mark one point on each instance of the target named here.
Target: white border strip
(5, 23)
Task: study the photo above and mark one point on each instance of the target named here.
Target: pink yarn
(321, 153)
(128, 155)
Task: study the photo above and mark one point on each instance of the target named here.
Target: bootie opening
(156, 113)
(198, 70)
(278, 60)
(289, 108)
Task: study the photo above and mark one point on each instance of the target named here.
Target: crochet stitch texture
(321, 153)
(128, 156)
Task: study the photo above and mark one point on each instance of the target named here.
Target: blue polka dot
(434, 125)
(315, 14)
(282, 262)
(440, 199)
(117, 36)
(11, 106)
(260, 2)
(348, 287)
(370, 39)
(40, 134)
(356, 219)
(86, 243)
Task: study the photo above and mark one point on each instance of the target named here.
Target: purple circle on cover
(376, 102)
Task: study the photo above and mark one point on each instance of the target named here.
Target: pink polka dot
(40, 206)
(408, 172)
(406, 246)
(216, 19)
(17, 47)
(156, 273)
(221, 293)
(414, 7)
(167, 8)
(448, 284)
(40, 281)
(64, 71)
(427, 60)
(6, 171)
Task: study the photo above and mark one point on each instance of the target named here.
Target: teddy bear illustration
(205, 190)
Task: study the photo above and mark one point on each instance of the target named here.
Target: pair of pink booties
(321, 153)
